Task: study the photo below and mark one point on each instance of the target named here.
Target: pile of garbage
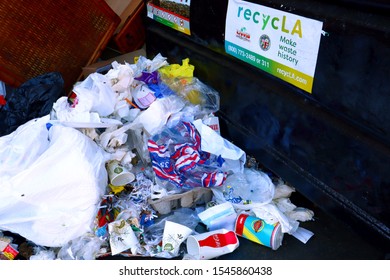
(130, 164)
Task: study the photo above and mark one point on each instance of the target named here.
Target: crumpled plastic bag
(33, 99)
(121, 77)
(212, 142)
(41, 254)
(143, 64)
(156, 116)
(90, 100)
(177, 70)
(51, 195)
(246, 189)
(85, 247)
(195, 92)
(178, 161)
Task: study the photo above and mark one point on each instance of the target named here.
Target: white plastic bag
(17, 152)
(85, 247)
(53, 198)
(215, 144)
(97, 88)
(92, 99)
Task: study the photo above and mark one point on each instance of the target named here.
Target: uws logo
(243, 35)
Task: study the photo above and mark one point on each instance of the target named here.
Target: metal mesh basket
(44, 36)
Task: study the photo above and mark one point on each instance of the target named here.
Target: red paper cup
(212, 244)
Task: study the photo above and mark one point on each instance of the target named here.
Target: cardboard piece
(118, 6)
(124, 9)
(105, 65)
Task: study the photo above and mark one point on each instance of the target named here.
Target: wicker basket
(44, 36)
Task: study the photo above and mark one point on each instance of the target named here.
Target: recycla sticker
(283, 44)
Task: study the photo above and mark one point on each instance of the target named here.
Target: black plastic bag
(33, 99)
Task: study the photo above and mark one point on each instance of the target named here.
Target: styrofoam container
(193, 197)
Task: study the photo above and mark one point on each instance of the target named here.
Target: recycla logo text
(274, 22)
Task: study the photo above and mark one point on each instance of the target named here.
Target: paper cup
(122, 237)
(257, 230)
(174, 234)
(212, 244)
(118, 174)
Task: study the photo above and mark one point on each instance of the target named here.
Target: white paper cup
(118, 174)
(212, 244)
(174, 234)
(122, 237)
